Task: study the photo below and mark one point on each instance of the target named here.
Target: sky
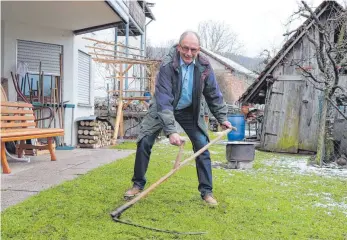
(259, 24)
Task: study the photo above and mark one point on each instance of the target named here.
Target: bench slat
(7, 130)
(16, 104)
(13, 136)
(17, 118)
(13, 125)
(28, 131)
(16, 127)
(9, 139)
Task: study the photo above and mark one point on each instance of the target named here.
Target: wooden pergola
(105, 53)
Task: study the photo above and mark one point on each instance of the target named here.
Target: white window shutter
(84, 62)
(32, 53)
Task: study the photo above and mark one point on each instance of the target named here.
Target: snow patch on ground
(330, 204)
(295, 164)
(301, 166)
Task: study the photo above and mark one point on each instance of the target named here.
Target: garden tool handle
(117, 213)
(179, 155)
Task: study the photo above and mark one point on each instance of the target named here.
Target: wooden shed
(292, 105)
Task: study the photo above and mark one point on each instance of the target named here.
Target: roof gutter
(148, 22)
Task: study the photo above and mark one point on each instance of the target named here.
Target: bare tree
(218, 37)
(159, 51)
(269, 53)
(265, 57)
(328, 38)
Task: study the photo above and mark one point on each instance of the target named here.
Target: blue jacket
(168, 90)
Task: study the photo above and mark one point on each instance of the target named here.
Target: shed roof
(251, 94)
(229, 63)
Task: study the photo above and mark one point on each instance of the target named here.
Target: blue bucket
(238, 121)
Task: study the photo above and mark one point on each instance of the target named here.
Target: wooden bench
(18, 124)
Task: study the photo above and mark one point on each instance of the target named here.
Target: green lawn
(270, 201)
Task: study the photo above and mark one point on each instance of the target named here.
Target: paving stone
(10, 198)
(29, 178)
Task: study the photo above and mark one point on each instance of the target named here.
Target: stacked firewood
(94, 134)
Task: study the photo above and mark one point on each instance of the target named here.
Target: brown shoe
(131, 193)
(210, 200)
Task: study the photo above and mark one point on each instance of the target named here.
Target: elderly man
(184, 79)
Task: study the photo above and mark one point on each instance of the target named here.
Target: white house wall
(12, 31)
(82, 110)
(2, 47)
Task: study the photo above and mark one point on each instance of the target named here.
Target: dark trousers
(203, 162)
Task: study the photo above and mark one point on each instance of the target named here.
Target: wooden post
(121, 125)
(152, 84)
(116, 124)
(51, 150)
(120, 104)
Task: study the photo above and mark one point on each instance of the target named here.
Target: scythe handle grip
(116, 213)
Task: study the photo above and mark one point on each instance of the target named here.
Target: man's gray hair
(189, 32)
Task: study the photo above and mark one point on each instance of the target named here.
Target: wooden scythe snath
(178, 165)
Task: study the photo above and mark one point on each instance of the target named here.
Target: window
(33, 57)
(33, 53)
(26, 84)
(83, 94)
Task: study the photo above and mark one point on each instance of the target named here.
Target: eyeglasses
(186, 49)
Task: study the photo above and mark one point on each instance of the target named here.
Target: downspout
(142, 69)
(144, 52)
(127, 52)
(115, 56)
